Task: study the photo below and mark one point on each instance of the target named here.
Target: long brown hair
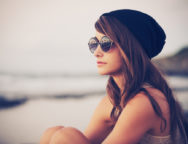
(136, 72)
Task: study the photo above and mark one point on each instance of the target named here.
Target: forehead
(99, 35)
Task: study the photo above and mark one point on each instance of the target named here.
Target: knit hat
(144, 28)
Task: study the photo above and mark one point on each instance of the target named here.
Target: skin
(136, 119)
(112, 59)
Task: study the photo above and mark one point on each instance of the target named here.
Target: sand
(25, 124)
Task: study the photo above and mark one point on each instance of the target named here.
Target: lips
(100, 63)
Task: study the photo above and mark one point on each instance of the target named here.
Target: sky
(51, 36)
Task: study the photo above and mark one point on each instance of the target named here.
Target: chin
(105, 72)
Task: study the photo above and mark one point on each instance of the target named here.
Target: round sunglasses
(105, 44)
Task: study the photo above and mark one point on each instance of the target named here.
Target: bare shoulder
(136, 118)
(143, 102)
(141, 108)
(140, 105)
(146, 108)
(160, 99)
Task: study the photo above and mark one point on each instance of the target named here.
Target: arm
(100, 124)
(136, 119)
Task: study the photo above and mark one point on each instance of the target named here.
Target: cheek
(113, 66)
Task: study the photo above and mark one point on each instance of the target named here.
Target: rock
(8, 103)
(174, 65)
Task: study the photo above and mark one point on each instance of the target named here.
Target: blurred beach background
(48, 77)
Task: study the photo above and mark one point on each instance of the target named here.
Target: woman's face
(110, 62)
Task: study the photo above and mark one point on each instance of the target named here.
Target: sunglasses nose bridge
(98, 51)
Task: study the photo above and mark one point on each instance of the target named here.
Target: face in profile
(109, 60)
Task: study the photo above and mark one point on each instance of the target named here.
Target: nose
(98, 52)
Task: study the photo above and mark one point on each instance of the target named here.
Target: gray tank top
(150, 139)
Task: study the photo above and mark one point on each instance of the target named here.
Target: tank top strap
(147, 85)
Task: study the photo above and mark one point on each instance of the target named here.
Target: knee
(67, 135)
(46, 136)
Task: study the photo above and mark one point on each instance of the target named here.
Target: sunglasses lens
(105, 44)
(93, 44)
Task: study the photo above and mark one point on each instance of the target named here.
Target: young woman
(139, 107)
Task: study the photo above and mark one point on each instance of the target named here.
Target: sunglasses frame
(100, 43)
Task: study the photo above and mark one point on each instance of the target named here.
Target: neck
(119, 80)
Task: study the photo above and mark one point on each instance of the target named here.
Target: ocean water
(37, 86)
(15, 88)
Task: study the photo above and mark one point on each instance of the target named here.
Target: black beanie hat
(144, 28)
